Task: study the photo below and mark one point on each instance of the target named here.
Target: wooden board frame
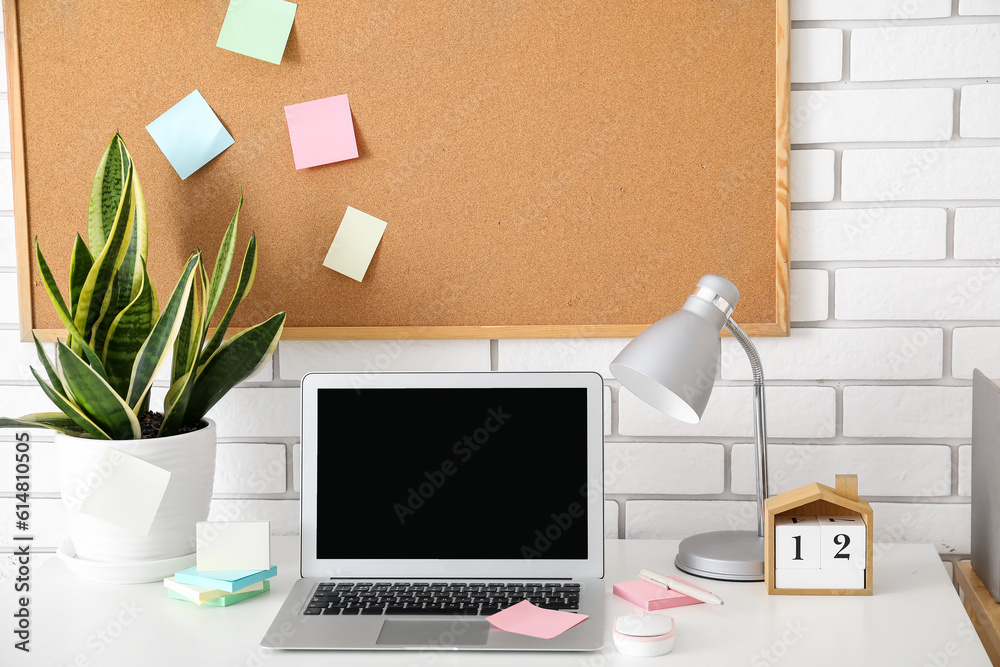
(779, 325)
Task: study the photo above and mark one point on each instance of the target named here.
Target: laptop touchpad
(426, 632)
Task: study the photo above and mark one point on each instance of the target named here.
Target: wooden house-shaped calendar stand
(817, 500)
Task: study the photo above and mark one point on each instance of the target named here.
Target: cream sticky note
(322, 131)
(525, 618)
(233, 545)
(354, 244)
(125, 491)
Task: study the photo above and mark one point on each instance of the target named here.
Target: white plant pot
(190, 459)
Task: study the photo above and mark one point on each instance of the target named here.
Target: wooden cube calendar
(797, 542)
(818, 541)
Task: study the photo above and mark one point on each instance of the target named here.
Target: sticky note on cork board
(354, 244)
(321, 131)
(190, 134)
(257, 28)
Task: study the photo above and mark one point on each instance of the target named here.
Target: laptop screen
(452, 473)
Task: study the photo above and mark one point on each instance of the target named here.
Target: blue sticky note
(224, 580)
(189, 134)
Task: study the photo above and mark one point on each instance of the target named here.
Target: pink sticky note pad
(651, 597)
(321, 131)
(525, 618)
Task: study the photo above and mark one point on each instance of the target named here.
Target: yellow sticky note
(354, 244)
(201, 595)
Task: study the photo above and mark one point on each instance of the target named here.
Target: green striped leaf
(96, 398)
(55, 296)
(220, 274)
(105, 195)
(79, 266)
(247, 274)
(126, 335)
(175, 405)
(153, 351)
(94, 360)
(142, 231)
(49, 369)
(191, 334)
(234, 361)
(71, 409)
(55, 421)
(96, 294)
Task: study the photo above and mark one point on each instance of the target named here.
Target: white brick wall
(938, 294)
(8, 251)
(979, 7)
(975, 347)
(934, 172)
(249, 468)
(808, 300)
(894, 243)
(901, 114)
(647, 467)
(907, 412)
(882, 470)
(977, 233)
(863, 234)
(965, 470)
(812, 10)
(8, 297)
(978, 115)
(817, 55)
(925, 52)
(792, 412)
(848, 354)
(811, 176)
(300, 357)
(663, 520)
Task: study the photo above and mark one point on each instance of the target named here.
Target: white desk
(915, 618)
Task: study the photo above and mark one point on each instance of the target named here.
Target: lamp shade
(672, 364)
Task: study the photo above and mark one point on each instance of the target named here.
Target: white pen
(680, 587)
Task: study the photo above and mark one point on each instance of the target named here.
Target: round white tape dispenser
(644, 635)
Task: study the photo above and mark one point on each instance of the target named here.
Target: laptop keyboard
(426, 598)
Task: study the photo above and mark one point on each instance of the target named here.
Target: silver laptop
(433, 500)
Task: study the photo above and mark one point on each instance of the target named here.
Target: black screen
(452, 473)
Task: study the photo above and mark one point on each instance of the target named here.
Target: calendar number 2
(842, 541)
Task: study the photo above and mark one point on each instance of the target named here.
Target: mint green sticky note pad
(257, 28)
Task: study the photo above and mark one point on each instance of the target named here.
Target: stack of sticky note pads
(233, 564)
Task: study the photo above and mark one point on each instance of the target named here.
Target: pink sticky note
(651, 597)
(525, 618)
(321, 131)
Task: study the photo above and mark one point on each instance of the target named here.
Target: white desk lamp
(672, 366)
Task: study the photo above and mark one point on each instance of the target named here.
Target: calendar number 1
(798, 547)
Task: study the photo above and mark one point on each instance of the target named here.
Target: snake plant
(119, 336)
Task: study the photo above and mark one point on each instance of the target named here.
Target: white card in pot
(125, 491)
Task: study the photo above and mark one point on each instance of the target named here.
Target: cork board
(546, 168)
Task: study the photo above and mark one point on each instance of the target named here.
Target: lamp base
(729, 555)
